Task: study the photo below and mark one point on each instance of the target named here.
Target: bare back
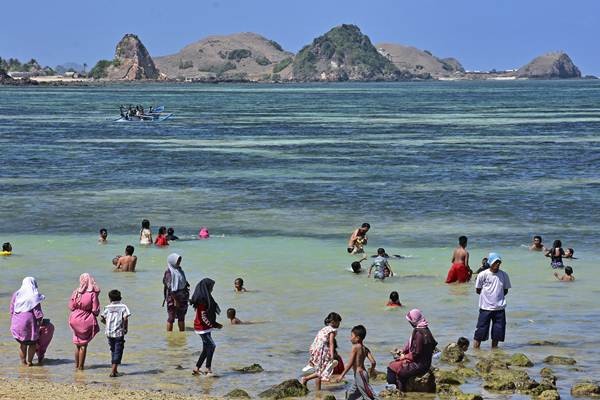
(460, 256)
(127, 263)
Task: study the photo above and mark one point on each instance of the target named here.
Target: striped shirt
(114, 314)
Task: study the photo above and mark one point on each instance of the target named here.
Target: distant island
(342, 54)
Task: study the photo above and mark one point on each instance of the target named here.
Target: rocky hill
(132, 61)
(344, 53)
(240, 56)
(419, 62)
(557, 65)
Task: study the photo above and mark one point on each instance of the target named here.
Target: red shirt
(201, 322)
(458, 273)
(161, 240)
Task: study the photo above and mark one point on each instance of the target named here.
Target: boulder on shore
(289, 388)
(509, 380)
(551, 394)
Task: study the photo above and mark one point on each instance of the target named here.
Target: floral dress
(320, 358)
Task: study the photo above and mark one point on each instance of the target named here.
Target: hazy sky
(482, 34)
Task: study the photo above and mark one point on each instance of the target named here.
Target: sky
(481, 34)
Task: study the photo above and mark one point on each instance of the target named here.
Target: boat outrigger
(138, 114)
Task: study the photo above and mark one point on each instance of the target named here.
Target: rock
(585, 389)
(344, 54)
(448, 378)
(509, 380)
(132, 61)
(548, 376)
(453, 354)
(556, 65)
(251, 369)
(289, 388)
(559, 360)
(468, 396)
(328, 397)
(520, 360)
(237, 393)
(420, 63)
(390, 394)
(6, 79)
(378, 376)
(487, 365)
(465, 372)
(549, 395)
(422, 384)
(542, 343)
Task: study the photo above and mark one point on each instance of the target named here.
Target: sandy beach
(40, 389)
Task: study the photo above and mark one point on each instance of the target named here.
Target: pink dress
(25, 326)
(83, 320)
(320, 358)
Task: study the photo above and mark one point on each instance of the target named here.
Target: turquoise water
(285, 173)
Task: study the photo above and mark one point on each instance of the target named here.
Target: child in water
(145, 233)
(356, 265)
(381, 265)
(556, 253)
(394, 300)
(484, 265)
(567, 277)
(161, 238)
(231, 317)
(6, 249)
(203, 233)
(569, 253)
(360, 388)
(238, 286)
(116, 317)
(322, 352)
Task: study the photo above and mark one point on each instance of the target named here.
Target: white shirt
(492, 287)
(114, 314)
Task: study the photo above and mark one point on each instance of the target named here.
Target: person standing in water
(145, 233)
(127, 262)
(85, 307)
(536, 244)
(358, 239)
(103, 238)
(492, 287)
(460, 270)
(25, 319)
(176, 292)
(207, 310)
(556, 253)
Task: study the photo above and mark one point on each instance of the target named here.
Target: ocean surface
(281, 174)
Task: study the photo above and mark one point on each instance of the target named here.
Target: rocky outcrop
(585, 389)
(559, 360)
(242, 56)
(250, 369)
(452, 353)
(520, 360)
(420, 63)
(550, 66)
(344, 54)
(422, 384)
(289, 388)
(132, 61)
(237, 394)
(6, 79)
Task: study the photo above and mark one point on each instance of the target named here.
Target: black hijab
(202, 295)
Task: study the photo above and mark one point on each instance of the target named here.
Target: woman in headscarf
(415, 358)
(205, 321)
(176, 292)
(25, 318)
(85, 307)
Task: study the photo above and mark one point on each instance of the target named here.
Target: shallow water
(285, 172)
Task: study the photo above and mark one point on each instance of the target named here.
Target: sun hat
(493, 257)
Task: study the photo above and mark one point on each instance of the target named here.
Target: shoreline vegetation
(340, 55)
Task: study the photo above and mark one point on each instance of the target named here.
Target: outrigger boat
(137, 114)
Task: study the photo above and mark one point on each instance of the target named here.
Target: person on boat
(415, 358)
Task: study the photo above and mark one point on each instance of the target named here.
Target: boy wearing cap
(492, 286)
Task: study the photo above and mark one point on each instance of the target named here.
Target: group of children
(556, 254)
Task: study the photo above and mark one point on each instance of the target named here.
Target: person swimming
(556, 253)
(6, 249)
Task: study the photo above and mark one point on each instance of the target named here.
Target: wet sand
(17, 389)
